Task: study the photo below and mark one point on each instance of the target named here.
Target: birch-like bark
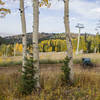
(68, 37)
(14, 49)
(35, 40)
(78, 42)
(23, 22)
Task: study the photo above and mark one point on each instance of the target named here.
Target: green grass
(14, 63)
(47, 61)
(77, 61)
(10, 63)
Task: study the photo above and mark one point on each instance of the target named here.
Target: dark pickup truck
(87, 62)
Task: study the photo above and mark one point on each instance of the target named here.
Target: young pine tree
(66, 70)
(28, 81)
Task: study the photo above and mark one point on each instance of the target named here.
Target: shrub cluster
(28, 81)
(66, 70)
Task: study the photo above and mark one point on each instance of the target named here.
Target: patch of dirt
(16, 69)
(9, 70)
(46, 67)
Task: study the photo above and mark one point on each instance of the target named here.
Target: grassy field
(86, 84)
(50, 58)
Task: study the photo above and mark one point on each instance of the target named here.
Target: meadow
(85, 87)
(50, 58)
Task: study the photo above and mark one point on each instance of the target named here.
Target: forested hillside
(42, 36)
(50, 42)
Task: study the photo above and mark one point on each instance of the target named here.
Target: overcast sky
(86, 12)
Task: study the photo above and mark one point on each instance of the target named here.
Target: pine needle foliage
(28, 81)
(66, 70)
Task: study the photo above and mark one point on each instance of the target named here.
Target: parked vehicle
(86, 62)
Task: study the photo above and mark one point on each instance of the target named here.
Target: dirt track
(15, 69)
(44, 67)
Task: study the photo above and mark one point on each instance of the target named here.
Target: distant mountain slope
(4, 40)
(42, 36)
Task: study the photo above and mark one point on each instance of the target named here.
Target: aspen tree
(35, 40)
(23, 22)
(68, 38)
(36, 5)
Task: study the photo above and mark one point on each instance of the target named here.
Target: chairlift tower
(97, 30)
(98, 27)
(79, 26)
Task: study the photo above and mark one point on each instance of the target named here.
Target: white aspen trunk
(95, 49)
(35, 40)
(68, 38)
(78, 42)
(14, 49)
(6, 51)
(23, 22)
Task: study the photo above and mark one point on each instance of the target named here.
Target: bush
(66, 70)
(28, 82)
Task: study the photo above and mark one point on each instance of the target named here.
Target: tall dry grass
(86, 86)
(51, 58)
